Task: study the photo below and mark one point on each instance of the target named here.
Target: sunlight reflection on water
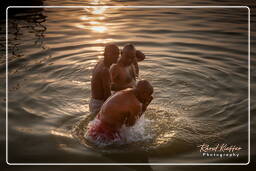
(100, 29)
(196, 64)
(96, 23)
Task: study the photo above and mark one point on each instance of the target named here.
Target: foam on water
(135, 133)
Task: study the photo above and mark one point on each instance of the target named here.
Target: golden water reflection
(98, 10)
(100, 29)
(162, 139)
(94, 19)
(62, 134)
(86, 18)
(98, 49)
(106, 40)
(94, 22)
(98, 2)
(95, 2)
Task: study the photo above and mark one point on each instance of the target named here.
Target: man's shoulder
(104, 71)
(100, 69)
(97, 66)
(126, 93)
(114, 67)
(129, 93)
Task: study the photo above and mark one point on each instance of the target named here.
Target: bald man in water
(122, 108)
(100, 82)
(123, 74)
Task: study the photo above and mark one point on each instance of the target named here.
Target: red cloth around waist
(101, 131)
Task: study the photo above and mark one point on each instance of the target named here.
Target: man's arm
(114, 77)
(132, 116)
(136, 67)
(106, 83)
(139, 57)
(130, 119)
(145, 105)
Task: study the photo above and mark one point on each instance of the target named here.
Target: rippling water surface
(196, 60)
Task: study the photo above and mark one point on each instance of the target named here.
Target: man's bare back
(100, 81)
(118, 110)
(122, 108)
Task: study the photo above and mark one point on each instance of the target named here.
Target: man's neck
(106, 64)
(120, 62)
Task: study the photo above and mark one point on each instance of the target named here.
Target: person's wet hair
(111, 54)
(145, 87)
(111, 49)
(128, 54)
(128, 48)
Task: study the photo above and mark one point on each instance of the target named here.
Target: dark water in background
(197, 61)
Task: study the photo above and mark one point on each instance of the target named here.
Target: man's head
(144, 90)
(111, 54)
(128, 54)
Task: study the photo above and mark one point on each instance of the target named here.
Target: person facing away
(100, 81)
(122, 108)
(123, 74)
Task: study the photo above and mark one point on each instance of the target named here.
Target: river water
(196, 60)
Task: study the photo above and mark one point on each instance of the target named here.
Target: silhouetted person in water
(100, 82)
(122, 108)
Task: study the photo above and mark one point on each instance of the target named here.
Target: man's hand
(136, 68)
(140, 56)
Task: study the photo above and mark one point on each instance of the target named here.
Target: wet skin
(100, 82)
(122, 108)
(122, 77)
(123, 74)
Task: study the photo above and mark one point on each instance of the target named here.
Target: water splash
(157, 128)
(128, 135)
(137, 133)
